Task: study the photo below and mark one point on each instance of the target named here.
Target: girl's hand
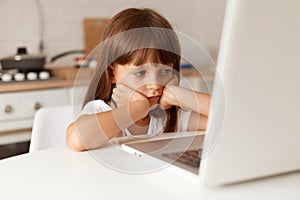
(123, 96)
(185, 98)
(169, 96)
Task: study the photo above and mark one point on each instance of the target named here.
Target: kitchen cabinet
(19, 102)
(17, 110)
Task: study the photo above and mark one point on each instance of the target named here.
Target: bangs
(142, 45)
(148, 55)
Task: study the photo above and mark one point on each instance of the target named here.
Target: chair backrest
(49, 127)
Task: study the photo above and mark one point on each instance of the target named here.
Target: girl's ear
(111, 74)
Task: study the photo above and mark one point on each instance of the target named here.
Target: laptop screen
(256, 100)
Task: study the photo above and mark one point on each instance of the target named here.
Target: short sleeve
(94, 107)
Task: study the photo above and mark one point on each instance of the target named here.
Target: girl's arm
(92, 131)
(198, 102)
(186, 99)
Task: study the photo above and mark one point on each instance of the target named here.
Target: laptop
(254, 128)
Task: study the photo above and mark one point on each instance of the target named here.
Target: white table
(59, 173)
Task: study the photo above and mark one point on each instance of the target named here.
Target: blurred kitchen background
(65, 29)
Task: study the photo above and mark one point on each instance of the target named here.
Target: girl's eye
(139, 73)
(166, 71)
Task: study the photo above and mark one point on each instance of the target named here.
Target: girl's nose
(153, 82)
(153, 86)
(154, 89)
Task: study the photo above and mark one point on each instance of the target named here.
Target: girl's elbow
(73, 140)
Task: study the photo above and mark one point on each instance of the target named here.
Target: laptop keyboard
(189, 157)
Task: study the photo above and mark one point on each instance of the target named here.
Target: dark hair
(132, 37)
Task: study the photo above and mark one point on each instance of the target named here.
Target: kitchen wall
(63, 29)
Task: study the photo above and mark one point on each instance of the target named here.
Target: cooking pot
(23, 61)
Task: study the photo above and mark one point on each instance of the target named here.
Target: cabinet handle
(8, 109)
(37, 105)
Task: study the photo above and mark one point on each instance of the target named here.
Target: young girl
(135, 88)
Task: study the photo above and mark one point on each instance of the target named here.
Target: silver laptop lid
(254, 126)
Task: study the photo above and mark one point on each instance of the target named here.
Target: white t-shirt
(156, 123)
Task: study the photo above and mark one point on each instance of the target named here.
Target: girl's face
(148, 79)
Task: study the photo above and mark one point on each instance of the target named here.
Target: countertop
(61, 76)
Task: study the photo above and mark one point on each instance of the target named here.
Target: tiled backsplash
(63, 29)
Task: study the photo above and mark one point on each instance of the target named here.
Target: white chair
(49, 127)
